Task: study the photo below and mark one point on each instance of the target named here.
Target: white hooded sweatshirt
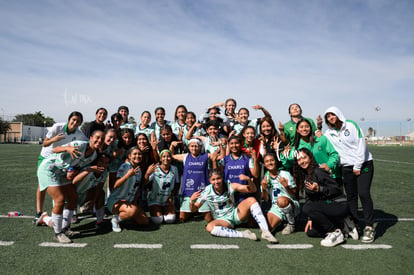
(349, 141)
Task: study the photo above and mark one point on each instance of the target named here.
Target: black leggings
(326, 216)
(360, 185)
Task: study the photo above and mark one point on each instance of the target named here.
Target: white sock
(257, 214)
(221, 231)
(57, 223)
(67, 218)
(288, 211)
(100, 213)
(47, 220)
(170, 218)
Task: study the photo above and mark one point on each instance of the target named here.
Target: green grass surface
(393, 198)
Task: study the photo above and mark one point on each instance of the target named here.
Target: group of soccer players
(234, 171)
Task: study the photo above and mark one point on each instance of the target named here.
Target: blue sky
(60, 56)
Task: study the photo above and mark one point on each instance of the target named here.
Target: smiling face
(159, 116)
(270, 162)
(101, 116)
(73, 123)
(304, 128)
(96, 140)
(166, 158)
(295, 110)
(142, 142)
(146, 119)
(194, 148)
(234, 146)
(189, 119)
(166, 135)
(243, 115)
(217, 182)
(230, 107)
(249, 135)
(212, 131)
(212, 114)
(135, 157)
(110, 137)
(331, 118)
(266, 128)
(303, 160)
(180, 114)
(124, 113)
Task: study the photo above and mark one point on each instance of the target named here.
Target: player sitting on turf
(220, 199)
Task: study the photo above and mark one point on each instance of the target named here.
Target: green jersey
(221, 205)
(290, 129)
(162, 184)
(275, 189)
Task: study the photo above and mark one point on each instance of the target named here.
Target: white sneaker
(62, 238)
(333, 238)
(69, 233)
(266, 235)
(350, 229)
(369, 235)
(247, 234)
(289, 228)
(115, 224)
(39, 221)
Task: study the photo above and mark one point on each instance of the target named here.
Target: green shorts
(185, 206)
(48, 178)
(275, 210)
(232, 218)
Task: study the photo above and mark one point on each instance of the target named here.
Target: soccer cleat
(62, 238)
(115, 224)
(368, 235)
(289, 228)
(69, 233)
(266, 235)
(333, 238)
(39, 220)
(247, 234)
(350, 229)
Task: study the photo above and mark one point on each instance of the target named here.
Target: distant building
(22, 133)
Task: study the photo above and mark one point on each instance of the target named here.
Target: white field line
(76, 245)
(289, 246)
(138, 245)
(393, 161)
(5, 243)
(366, 246)
(213, 246)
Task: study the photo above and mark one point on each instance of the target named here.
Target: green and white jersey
(90, 181)
(52, 170)
(208, 144)
(177, 127)
(147, 131)
(128, 189)
(238, 127)
(157, 128)
(275, 189)
(221, 205)
(162, 184)
(109, 150)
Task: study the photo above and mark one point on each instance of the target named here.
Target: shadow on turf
(89, 229)
(384, 221)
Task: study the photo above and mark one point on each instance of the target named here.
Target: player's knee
(282, 202)
(170, 218)
(156, 219)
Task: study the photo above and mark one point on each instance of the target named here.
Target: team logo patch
(320, 148)
(346, 133)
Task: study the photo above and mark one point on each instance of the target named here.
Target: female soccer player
(59, 134)
(98, 123)
(159, 121)
(179, 121)
(279, 188)
(144, 126)
(164, 180)
(122, 201)
(357, 166)
(219, 196)
(326, 206)
(52, 177)
(243, 118)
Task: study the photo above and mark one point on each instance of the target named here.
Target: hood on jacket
(334, 110)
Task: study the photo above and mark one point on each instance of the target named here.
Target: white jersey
(157, 127)
(147, 131)
(162, 184)
(275, 189)
(128, 189)
(220, 205)
(61, 128)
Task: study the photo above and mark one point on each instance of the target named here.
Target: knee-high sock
(288, 211)
(221, 231)
(67, 218)
(257, 214)
(100, 213)
(57, 222)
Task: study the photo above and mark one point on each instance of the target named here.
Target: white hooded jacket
(349, 141)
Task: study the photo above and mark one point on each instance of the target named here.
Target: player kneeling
(220, 199)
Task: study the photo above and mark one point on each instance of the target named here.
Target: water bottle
(14, 214)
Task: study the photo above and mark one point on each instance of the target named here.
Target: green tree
(36, 119)
(4, 127)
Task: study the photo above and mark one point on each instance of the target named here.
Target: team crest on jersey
(320, 148)
(346, 133)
